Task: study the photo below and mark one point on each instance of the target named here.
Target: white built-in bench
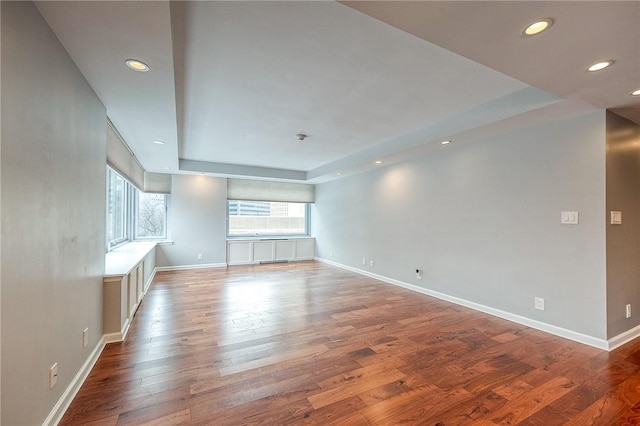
(127, 276)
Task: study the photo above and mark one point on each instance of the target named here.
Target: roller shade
(159, 183)
(260, 190)
(120, 157)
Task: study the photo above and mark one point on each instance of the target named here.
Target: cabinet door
(133, 297)
(263, 251)
(285, 249)
(240, 252)
(305, 249)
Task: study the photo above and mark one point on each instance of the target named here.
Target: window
(266, 218)
(151, 218)
(133, 214)
(118, 194)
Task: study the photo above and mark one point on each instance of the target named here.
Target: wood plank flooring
(310, 344)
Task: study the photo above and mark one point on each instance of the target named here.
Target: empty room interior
(320, 212)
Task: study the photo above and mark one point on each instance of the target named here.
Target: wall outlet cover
(53, 375)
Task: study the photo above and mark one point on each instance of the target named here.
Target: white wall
(197, 222)
(483, 222)
(53, 204)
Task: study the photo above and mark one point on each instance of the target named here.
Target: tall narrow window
(151, 218)
(117, 193)
(267, 218)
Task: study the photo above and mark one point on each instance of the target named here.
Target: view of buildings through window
(249, 218)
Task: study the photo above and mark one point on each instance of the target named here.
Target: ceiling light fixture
(537, 27)
(158, 142)
(447, 142)
(600, 66)
(635, 93)
(379, 162)
(136, 65)
(301, 137)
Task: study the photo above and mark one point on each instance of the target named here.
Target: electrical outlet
(628, 311)
(419, 273)
(364, 261)
(538, 303)
(85, 337)
(371, 263)
(199, 256)
(53, 375)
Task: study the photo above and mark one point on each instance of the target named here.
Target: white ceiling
(232, 83)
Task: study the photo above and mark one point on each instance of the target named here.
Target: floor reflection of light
(161, 317)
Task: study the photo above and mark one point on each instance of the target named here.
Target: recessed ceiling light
(339, 173)
(137, 65)
(600, 66)
(445, 142)
(379, 162)
(159, 142)
(635, 93)
(537, 27)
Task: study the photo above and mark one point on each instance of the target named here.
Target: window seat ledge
(122, 260)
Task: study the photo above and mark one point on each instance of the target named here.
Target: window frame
(130, 213)
(126, 211)
(307, 223)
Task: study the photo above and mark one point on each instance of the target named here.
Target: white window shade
(120, 157)
(259, 190)
(158, 183)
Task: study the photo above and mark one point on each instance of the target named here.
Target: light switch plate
(569, 218)
(616, 218)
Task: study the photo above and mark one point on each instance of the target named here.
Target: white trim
(112, 337)
(118, 336)
(184, 267)
(624, 337)
(63, 403)
(538, 325)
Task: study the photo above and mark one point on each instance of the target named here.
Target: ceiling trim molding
(238, 170)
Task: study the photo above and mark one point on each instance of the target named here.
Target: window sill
(269, 238)
(121, 260)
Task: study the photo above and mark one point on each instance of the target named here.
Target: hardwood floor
(310, 344)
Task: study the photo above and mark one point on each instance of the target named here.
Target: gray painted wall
(483, 222)
(623, 241)
(53, 203)
(197, 222)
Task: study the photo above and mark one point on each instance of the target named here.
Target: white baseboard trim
(624, 337)
(112, 338)
(67, 396)
(538, 325)
(118, 336)
(185, 267)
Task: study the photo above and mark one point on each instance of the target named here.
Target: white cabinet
(243, 252)
(306, 249)
(263, 251)
(124, 286)
(285, 249)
